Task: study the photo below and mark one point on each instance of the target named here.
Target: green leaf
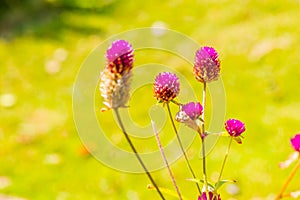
(238, 139)
(222, 182)
(199, 181)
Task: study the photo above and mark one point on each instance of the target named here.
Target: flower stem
(203, 135)
(181, 147)
(204, 165)
(136, 153)
(292, 174)
(225, 158)
(165, 160)
(175, 102)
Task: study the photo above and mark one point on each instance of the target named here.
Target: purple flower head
(207, 64)
(211, 196)
(192, 109)
(189, 113)
(295, 142)
(115, 79)
(166, 86)
(234, 127)
(120, 57)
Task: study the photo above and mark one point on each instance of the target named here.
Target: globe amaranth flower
(234, 127)
(295, 142)
(211, 196)
(206, 65)
(116, 76)
(120, 57)
(166, 87)
(189, 113)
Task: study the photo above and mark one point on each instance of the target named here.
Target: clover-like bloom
(234, 127)
(120, 57)
(193, 110)
(189, 113)
(206, 65)
(295, 142)
(116, 76)
(211, 196)
(166, 87)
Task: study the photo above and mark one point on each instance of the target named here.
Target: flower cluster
(115, 85)
(166, 88)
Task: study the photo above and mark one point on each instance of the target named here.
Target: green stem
(136, 153)
(175, 102)
(204, 167)
(225, 158)
(165, 160)
(292, 174)
(181, 146)
(203, 135)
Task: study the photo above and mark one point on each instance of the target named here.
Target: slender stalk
(136, 153)
(203, 135)
(165, 160)
(181, 147)
(225, 158)
(292, 174)
(175, 102)
(204, 168)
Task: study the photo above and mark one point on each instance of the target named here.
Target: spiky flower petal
(295, 142)
(189, 114)
(206, 65)
(166, 87)
(116, 77)
(234, 127)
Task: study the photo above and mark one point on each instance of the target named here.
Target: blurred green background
(43, 43)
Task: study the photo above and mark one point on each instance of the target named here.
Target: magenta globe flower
(192, 109)
(120, 57)
(211, 196)
(166, 87)
(206, 65)
(234, 127)
(189, 113)
(295, 142)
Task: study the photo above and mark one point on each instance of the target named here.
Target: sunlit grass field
(41, 154)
